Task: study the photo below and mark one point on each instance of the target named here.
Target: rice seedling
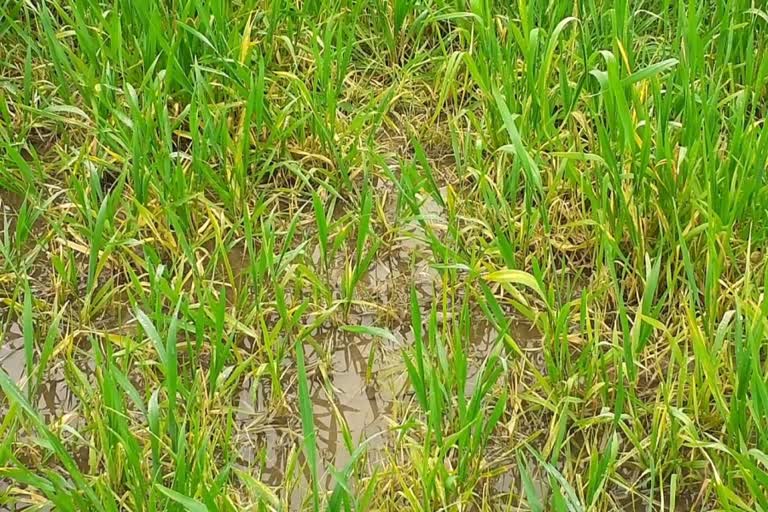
(357, 255)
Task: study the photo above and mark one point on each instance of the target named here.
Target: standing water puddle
(54, 401)
(362, 403)
(54, 396)
(12, 354)
(348, 396)
(346, 406)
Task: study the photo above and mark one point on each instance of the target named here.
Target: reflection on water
(12, 353)
(55, 399)
(356, 392)
(347, 402)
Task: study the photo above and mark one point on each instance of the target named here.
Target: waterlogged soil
(359, 392)
(54, 401)
(354, 398)
(359, 389)
(352, 394)
(358, 384)
(54, 398)
(12, 353)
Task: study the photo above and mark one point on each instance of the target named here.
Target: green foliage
(355, 255)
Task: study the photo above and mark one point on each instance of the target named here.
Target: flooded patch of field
(54, 398)
(359, 392)
(12, 353)
(352, 396)
(57, 406)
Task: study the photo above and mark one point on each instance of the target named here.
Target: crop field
(385, 255)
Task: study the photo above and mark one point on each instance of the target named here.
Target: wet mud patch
(355, 399)
(390, 278)
(354, 384)
(53, 397)
(57, 405)
(12, 359)
(262, 441)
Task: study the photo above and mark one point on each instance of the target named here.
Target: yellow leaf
(245, 45)
(516, 277)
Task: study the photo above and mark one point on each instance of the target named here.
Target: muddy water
(262, 440)
(363, 377)
(351, 399)
(55, 399)
(347, 395)
(365, 398)
(358, 398)
(484, 337)
(12, 354)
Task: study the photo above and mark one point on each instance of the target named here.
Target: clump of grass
(542, 225)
